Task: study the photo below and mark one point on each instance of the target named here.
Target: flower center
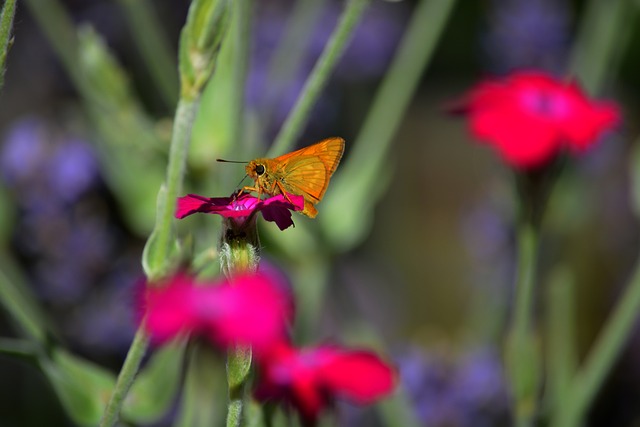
(545, 103)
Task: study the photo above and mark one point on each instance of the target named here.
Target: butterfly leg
(249, 190)
(282, 191)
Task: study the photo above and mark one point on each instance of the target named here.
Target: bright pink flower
(310, 379)
(530, 117)
(250, 310)
(275, 209)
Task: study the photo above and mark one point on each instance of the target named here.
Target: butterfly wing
(310, 168)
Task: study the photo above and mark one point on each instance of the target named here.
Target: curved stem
(318, 78)
(125, 378)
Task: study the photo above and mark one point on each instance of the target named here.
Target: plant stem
(298, 117)
(602, 37)
(238, 255)
(604, 354)
(19, 348)
(161, 241)
(125, 378)
(290, 52)
(521, 353)
(358, 182)
(562, 357)
(6, 23)
(19, 303)
(153, 47)
(60, 31)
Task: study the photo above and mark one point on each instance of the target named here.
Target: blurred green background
(432, 270)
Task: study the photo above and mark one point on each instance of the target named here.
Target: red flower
(250, 310)
(530, 116)
(275, 209)
(310, 379)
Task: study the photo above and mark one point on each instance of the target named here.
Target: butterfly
(305, 172)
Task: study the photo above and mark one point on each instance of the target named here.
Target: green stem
(6, 23)
(522, 351)
(359, 181)
(154, 48)
(19, 303)
(238, 368)
(562, 359)
(527, 242)
(238, 255)
(318, 78)
(290, 51)
(60, 31)
(19, 348)
(160, 244)
(604, 354)
(602, 37)
(125, 378)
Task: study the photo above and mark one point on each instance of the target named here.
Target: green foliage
(155, 388)
(83, 387)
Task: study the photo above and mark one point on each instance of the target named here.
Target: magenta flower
(250, 310)
(275, 209)
(310, 379)
(530, 116)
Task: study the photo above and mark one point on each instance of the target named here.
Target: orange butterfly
(305, 172)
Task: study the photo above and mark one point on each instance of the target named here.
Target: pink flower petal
(310, 379)
(275, 209)
(530, 116)
(359, 375)
(251, 310)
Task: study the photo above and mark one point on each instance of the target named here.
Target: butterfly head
(255, 169)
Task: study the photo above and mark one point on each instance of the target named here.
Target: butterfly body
(305, 172)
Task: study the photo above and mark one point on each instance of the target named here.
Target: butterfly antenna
(229, 161)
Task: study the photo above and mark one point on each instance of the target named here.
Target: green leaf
(238, 366)
(203, 397)
(83, 387)
(155, 387)
(20, 303)
(154, 265)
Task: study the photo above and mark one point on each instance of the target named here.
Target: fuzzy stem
(318, 78)
(161, 240)
(239, 253)
(125, 379)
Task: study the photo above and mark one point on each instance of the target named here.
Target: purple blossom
(467, 392)
(528, 34)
